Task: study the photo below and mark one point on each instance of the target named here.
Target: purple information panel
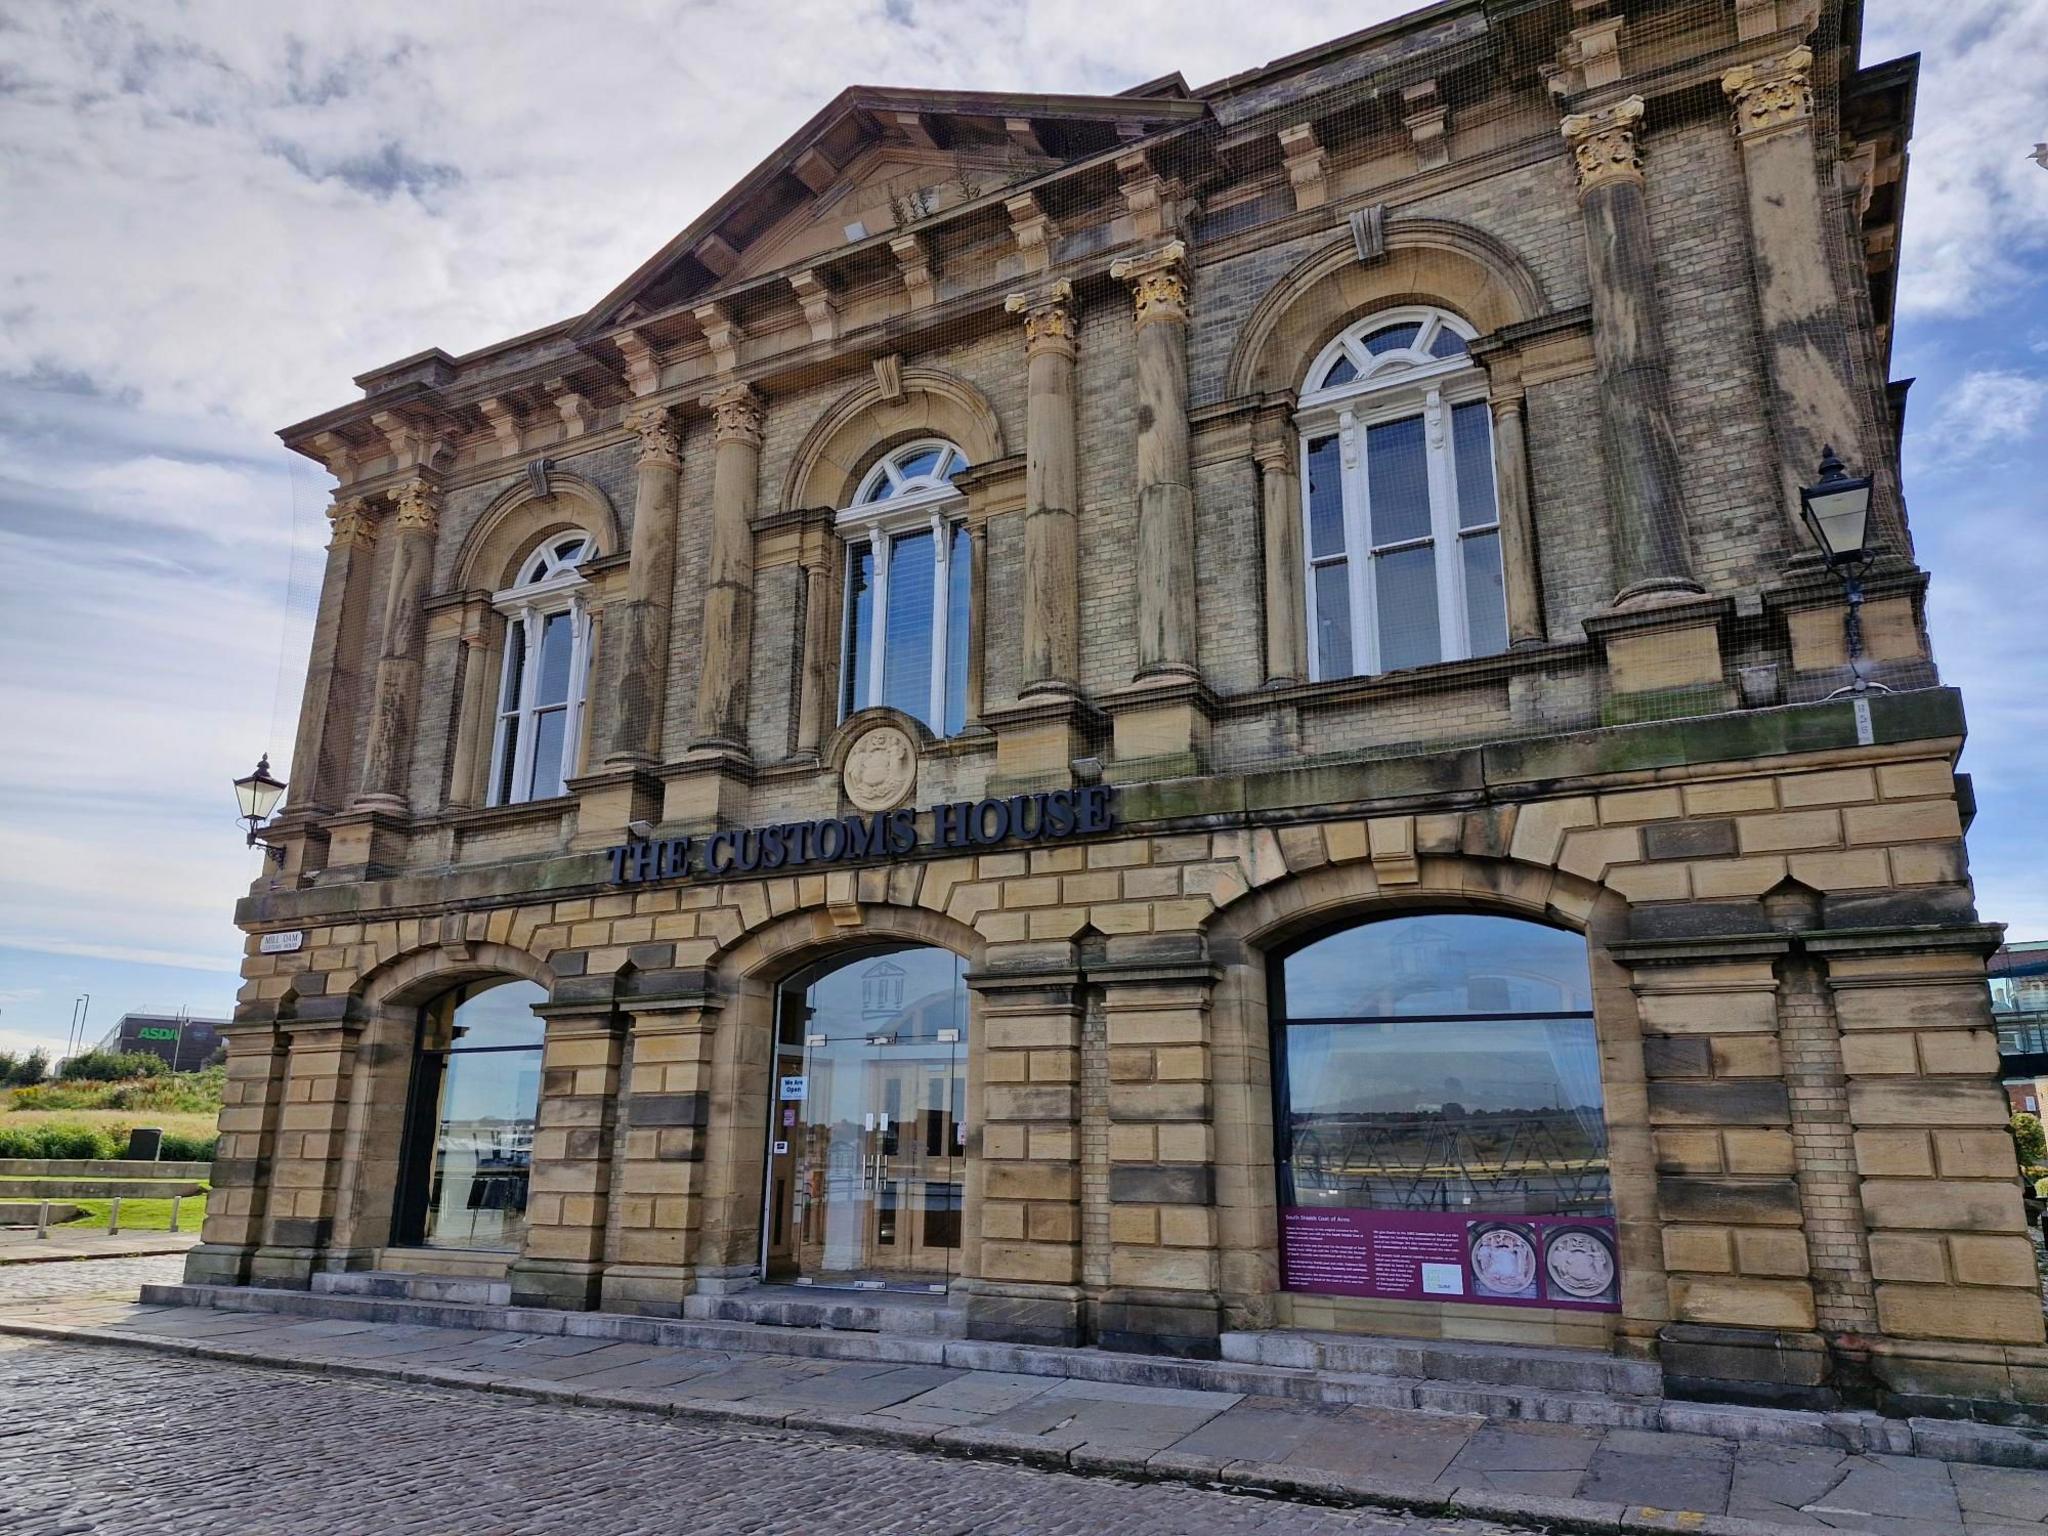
(1544, 1261)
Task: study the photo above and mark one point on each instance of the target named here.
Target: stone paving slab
(1568, 1476)
(20, 1245)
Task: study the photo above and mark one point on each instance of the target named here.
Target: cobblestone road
(98, 1440)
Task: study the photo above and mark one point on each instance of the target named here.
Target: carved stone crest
(881, 769)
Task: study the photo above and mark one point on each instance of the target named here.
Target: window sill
(523, 813)
(1412, 681)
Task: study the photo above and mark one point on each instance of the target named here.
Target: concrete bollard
(114, 1217)
(43, 1219)
(176, 1200)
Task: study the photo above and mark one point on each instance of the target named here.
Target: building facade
(182, 1043)
(1179, 716)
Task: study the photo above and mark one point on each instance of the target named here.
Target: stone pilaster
(1518, 556)
(1167, 622)
(562, 1260)
(1651, 544)
(1957, 1294)
(1052, 558)
(1276, 451)
(306, 1169)
(320, 761)
(473, 718)
(728, 630)
(637, 629)
(243, 1160)
(659, 1182)
(396, 702)
(1028, 1171)
(1164, 1269)
(814, 687)
(1805, 343)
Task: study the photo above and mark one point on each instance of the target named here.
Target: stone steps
(397, 1285)
(1561, 1370)
(844, 1311)
(1499, 1399)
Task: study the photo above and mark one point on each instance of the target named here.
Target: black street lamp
(1837, 512)
(257, 794)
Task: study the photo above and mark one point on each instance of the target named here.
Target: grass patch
(183, 1092)
(186, 1122)
(138, 1215)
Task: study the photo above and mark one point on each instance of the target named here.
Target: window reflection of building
(1442, 1064)
(475, 1099)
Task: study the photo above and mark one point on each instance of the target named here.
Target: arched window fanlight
(542, 680)
(908, 580)
(922, 466)
(1400, 525)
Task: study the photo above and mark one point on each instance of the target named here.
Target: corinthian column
(396, 702)
(639, 626)
(1052, 550)
(318, 761)
(1651, 549)
(1806, 345)
(1166, 500)
(728, 629)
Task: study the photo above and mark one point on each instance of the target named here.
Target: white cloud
(1989, 412)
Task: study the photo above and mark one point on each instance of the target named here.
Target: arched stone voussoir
(786, 944)
(1334, 893)
(418, 975)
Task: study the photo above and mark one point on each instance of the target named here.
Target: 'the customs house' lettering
(1046, 817)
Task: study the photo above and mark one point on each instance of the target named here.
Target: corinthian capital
(1604, 144)
(351, 523)
(736, 413)
(419, 507)
(661, 436)
(1048, 316)
(1771, 93)
(1159, 283)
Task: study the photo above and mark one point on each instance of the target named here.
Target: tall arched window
(1402, 534)
(541, 685)
(908, 577)
(1439, 1113)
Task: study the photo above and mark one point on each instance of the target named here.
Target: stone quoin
(1176, 718)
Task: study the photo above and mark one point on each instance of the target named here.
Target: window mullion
(941, 561)
(878, 648)
(572, 723)
(499, 717)
(522, 760)
(1357, 495)
(1443, 527)
(1308, 560)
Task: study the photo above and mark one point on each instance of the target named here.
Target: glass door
(867, 1131)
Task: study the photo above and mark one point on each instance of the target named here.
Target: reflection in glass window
(476, 1094)
(1442, 1064)
(1402, 532)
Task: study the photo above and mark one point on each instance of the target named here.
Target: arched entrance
(474, 1097)
(1439, 1118)
(867, 1133)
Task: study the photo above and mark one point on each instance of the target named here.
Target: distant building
(2019, 1011)
(183, 1044)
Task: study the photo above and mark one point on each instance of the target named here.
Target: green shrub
(21, 1071)
(2029, 1137)
(83, 1142)
(187, 1149)
(112, 1066)
(186, 1092)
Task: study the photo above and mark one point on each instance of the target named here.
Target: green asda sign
(155, 1032)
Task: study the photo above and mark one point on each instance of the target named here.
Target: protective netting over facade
(1288, 605)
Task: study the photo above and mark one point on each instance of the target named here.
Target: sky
(217, 213)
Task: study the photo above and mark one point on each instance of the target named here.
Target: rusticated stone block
(1979, 1315)
(1730, 1101)
(1710, 839)
(1952, 1205)
(1730, 1201)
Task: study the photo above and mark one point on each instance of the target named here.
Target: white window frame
(550, 584)
(1392, 386)
(926, 503)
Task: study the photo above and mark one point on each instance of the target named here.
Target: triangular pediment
(875, 160)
